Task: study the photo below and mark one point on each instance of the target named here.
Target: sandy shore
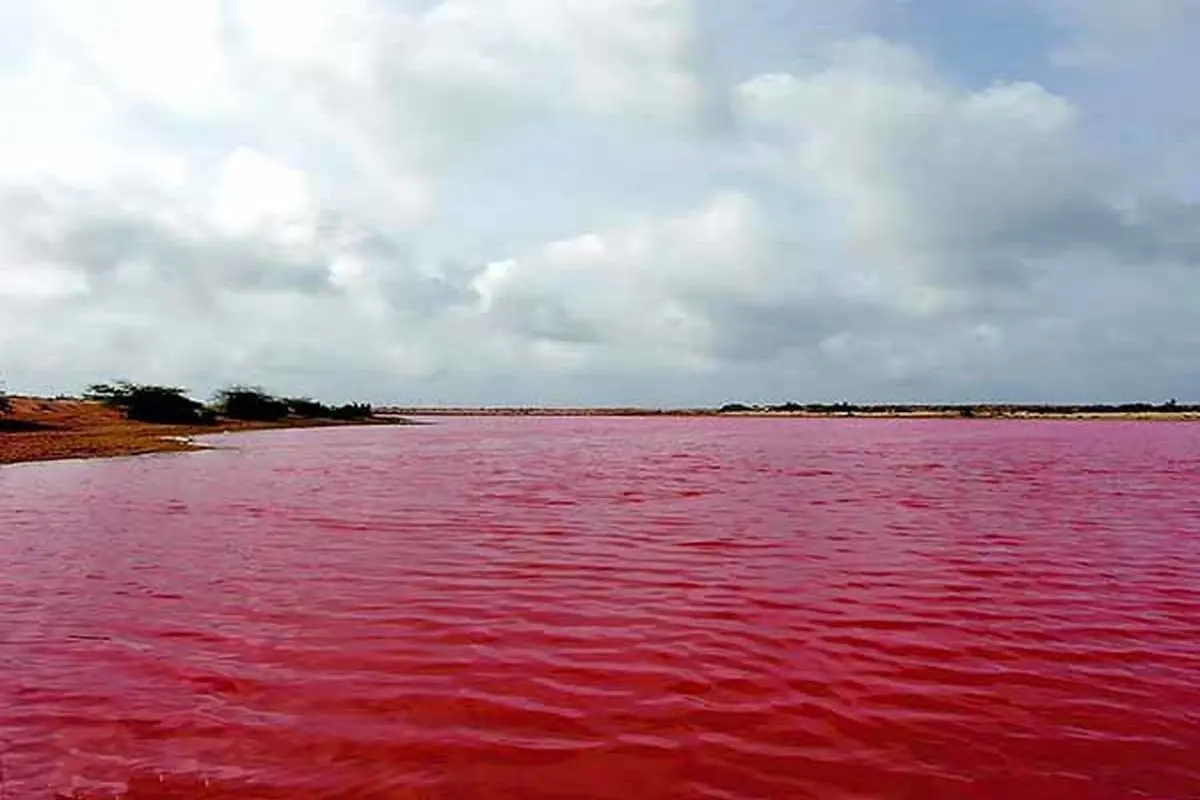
(38, 429)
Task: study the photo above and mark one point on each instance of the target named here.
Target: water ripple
(659, 608)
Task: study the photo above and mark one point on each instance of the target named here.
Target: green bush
(307, 407)
(351, 411)
(251, 403)
(161, 404)
(311, 409)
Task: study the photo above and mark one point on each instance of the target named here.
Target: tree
(251, 403)
(145, 403)
(351, 411)
(312, 409)
(307, 407)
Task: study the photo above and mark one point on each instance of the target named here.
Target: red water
(610, 608)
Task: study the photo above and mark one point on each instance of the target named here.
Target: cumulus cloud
(942, 224)
(929, 177)
(211, 193)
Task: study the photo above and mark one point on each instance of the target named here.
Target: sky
(595, 202)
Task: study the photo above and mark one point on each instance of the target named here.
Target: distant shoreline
(863, 412)
(43, 429)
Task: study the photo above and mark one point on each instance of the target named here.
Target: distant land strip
(45, 429)
(1169, 410)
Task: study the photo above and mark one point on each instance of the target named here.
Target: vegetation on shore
(167, 405)
(252, 403)
(125, 418)
(170, 405)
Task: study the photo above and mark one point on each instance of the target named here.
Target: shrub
(161, 404)
(251, 403)
(306, 407)
(351, 411)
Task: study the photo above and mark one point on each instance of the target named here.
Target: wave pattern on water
(652, 608)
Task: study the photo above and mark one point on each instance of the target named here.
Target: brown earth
(39, 429)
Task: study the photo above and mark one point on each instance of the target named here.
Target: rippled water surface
(610, 608)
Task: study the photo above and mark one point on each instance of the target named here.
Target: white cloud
(930, 178)
(382, 93)
(255, 195)
(167, 54)
(953, 221)
(632, 293)
(232, 195)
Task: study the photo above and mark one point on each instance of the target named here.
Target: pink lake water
(610, 608)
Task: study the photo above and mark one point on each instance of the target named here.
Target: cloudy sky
(663, 202)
